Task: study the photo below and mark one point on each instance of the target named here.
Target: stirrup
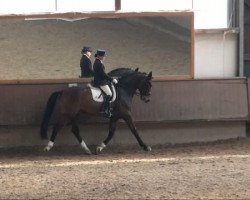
(106, 114)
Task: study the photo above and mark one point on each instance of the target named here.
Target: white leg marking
(100, 147)
(49, 146)
(84, 146)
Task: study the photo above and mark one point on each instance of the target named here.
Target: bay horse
(72, 101)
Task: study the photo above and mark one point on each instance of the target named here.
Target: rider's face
(102, 58)
(88, 53)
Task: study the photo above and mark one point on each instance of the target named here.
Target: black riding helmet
(86, 49)
(100, 52)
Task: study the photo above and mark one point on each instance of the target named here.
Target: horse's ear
(150, 75)
(137, 69)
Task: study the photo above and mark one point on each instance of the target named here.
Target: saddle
(97, 93)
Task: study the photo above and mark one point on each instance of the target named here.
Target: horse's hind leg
(63, 120)
(75, 130)
(56, 129)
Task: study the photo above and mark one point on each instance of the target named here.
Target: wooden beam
(94, 14)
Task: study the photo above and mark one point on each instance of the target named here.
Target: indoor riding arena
(196, 121)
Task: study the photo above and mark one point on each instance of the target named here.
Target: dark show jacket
(86, 67)
(100, 76)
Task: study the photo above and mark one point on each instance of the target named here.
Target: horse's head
(144, 87)
(137, 81)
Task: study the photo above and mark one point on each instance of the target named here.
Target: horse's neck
(130, 86)
(128, 89)
(125, 98)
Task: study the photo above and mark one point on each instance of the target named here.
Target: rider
(102, 80)
(85, 62)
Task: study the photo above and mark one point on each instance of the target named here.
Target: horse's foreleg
(133, 129)
(112, 127)
(76, 132)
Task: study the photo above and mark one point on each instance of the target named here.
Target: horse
(73, 101)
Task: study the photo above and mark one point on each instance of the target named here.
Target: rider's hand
(115, 81)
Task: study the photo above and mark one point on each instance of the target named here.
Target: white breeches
(106, 89)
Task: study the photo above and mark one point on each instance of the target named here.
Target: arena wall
(187, 111)
(153, 134)
(199, 100)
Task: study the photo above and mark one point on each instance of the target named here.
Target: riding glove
(114, 81)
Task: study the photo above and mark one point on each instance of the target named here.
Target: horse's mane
(128, 77)
(120, 71)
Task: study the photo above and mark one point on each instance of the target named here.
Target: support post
(117, 5)
(241, 38)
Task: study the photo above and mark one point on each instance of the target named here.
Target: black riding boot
(106, 106)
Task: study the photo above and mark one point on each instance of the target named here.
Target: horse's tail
(47, 114)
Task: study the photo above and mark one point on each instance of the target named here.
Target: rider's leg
(106, 89)
(106, 104)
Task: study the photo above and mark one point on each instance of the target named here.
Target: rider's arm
(102, 73)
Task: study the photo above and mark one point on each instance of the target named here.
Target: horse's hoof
(88, 152)
(147, 148)
(98, 150)
(46, 149)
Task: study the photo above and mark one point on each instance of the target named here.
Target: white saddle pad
(97, 93)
